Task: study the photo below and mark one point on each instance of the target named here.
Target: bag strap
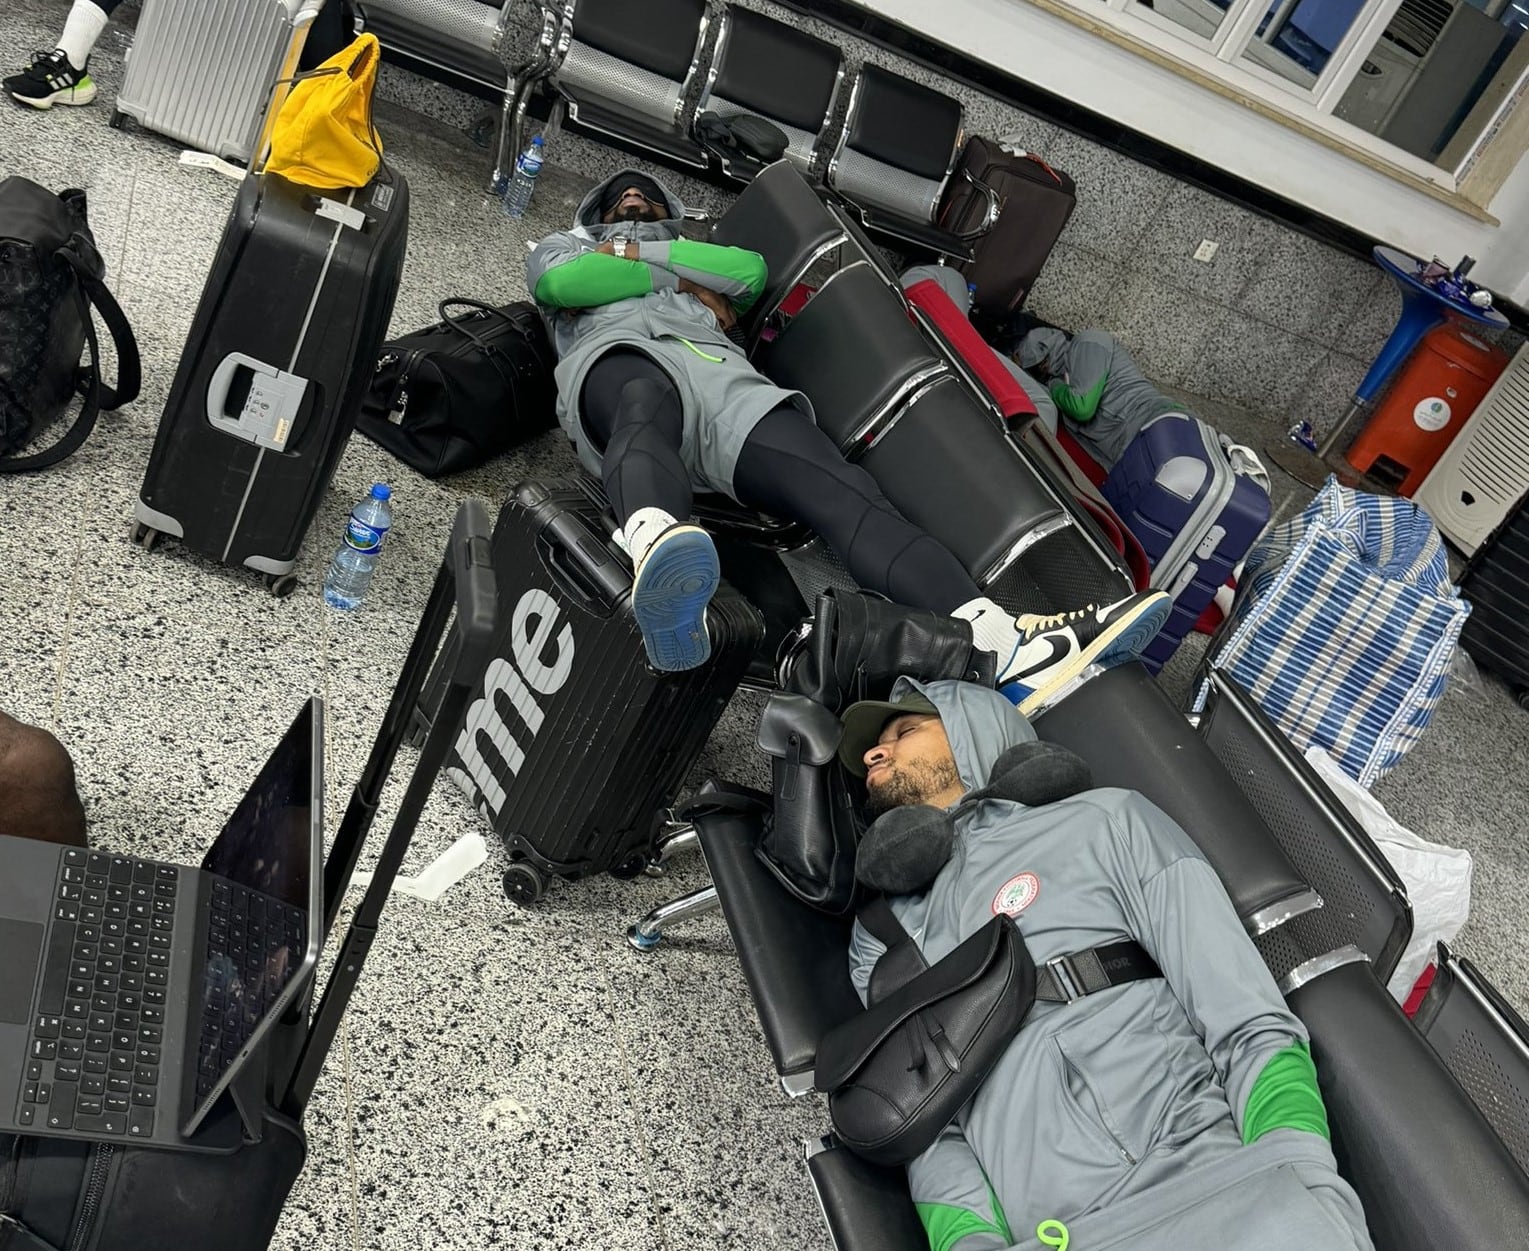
(20, 1237)
(491, 354)
(90, 291)
(881, 922)
(1063, 979)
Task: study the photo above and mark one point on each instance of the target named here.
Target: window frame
(1220, 57)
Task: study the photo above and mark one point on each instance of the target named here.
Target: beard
(644, 212)
(901, 786)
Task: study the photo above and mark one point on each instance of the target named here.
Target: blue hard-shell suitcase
(1194, 512)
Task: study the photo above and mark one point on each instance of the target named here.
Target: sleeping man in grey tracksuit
(660, 401)
(1179, 1112)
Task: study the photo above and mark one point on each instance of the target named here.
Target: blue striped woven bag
(1344, 627)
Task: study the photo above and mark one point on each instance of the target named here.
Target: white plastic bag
(1438, 878)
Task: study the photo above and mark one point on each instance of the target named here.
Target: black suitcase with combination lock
(278, 360)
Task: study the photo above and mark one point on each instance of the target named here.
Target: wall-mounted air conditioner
(1486, 469)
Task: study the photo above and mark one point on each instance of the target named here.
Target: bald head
(38, 798)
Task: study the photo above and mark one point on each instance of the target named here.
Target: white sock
(642, 530)
(993, 629)
(82, 28)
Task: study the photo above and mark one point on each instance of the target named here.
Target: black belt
(1065, 978)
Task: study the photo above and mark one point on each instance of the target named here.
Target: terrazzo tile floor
(506, 1077)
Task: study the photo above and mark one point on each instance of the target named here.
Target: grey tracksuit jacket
(721, 394)
(1119, 1114)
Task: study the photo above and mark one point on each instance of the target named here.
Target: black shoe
(50, 80)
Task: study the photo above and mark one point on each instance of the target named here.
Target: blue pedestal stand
(1423, 308)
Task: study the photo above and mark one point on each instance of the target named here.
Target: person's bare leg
(38, 798)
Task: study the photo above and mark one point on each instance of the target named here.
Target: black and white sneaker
(1051, 651)
(50, 80)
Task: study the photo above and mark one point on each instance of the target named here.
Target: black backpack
(463, 391)
(50, 275)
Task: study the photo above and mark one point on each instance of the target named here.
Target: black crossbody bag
(900, 1072)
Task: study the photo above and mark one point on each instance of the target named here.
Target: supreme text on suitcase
(1034, 202)
(111, 1194)
(1193, 510)
(274, 371)
(575, 746)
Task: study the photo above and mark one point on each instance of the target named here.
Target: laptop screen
(263, 908)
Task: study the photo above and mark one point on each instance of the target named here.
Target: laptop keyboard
(250, 937)
(93, 1058)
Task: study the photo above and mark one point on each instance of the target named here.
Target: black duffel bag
(457, 394)
(50, 276)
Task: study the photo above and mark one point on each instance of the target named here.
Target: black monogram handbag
(459, 393)
(50, 277)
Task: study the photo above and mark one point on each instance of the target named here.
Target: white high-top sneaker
(677, 573)
(1038, 654)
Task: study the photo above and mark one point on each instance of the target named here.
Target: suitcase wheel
(140, 535)
(117, 120)
(281, 585)
(524, 883)
(632, 867)
(1522, 696)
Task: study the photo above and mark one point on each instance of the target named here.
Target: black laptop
(133, 991)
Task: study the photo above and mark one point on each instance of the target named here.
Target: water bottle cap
(538, 142)
(381, 491)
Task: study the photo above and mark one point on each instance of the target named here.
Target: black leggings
(787, 467)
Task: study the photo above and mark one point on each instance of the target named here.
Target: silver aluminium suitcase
(201, 71)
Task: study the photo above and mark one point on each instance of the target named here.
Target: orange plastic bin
(1436, 391)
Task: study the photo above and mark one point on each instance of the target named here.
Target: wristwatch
(621, 242)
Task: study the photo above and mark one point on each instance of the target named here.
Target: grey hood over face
(587, 219)
(979, 722)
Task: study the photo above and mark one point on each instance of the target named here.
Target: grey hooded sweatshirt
(1104, 397)
(1119, 1115)
(722, 396)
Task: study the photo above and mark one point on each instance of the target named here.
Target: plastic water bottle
(523, 182)
(350, 572)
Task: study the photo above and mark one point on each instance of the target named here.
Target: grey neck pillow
(905, 849)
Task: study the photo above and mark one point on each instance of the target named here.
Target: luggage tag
(345, 214)
(206, 160)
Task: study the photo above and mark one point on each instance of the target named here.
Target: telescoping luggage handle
(302, 20)
(466, 581)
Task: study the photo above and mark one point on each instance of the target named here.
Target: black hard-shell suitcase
(1496, 583)
(575, 746)
(58, 1195)
(1034, 202)
(279, 358)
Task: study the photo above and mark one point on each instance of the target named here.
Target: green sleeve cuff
(946, 1224)
(593, 279)
(1080, 406)
(1285, 1095)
